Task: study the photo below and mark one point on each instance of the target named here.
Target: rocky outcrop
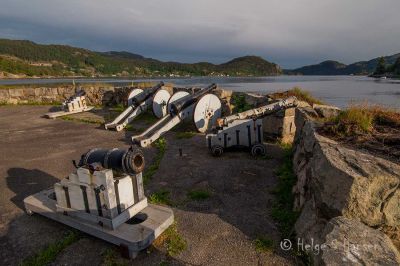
(326, 111)
(348, 241)
(337, 181)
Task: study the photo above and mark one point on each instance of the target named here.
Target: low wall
(95, 95)
(344, 195)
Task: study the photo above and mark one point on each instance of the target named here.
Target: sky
(291, 33)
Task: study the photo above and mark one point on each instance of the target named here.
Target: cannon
(139, 101)
(74, 104)
(202, 107)
(104, 197)
(244, 130)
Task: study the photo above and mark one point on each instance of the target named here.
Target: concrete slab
(132, 238)
(63, 113)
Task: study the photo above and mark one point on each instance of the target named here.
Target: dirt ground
(220, 230)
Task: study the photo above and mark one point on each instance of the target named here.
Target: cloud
(291, 32)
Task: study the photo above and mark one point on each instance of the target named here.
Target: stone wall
(95, 95)
(344, 195)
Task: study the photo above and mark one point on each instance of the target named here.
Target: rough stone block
(351, 242)
(73, 177)
(326, 111)
(60, 195)
(125, 191)
(76, 197)
(84, 175)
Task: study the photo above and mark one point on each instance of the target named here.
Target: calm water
(337, 90)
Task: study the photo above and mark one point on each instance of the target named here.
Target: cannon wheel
(160, 101)
(176, 97)
(217, 150)
(133, 94)
(258, 150)
(206, 112)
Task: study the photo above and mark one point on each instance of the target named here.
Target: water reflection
(337, 90)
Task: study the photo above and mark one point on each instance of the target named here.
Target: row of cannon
(203, 107)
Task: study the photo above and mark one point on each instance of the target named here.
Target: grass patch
(239, 103)
(198, 194)
(264, 244)
(172, 241)
(160, 197)
(147, 117)
(362, 119)
(82, 120)
(185, 135)
(161, 145)
(118, 108)
(130, 127)
(50, 253)
(300, 94)
(282, 211)
(112, 258)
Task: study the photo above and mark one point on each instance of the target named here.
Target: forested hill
(26, 58)
(337, 68)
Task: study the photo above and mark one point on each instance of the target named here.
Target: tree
(396, 66)
(380, 67)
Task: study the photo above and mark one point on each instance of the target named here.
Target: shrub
(160, 197)
(240, 104)
(198, 194)
(361, 119)
(264, 244)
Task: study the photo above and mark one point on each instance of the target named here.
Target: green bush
(198, 194)
(239, 103)
(160, 197)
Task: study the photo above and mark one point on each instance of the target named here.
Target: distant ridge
(21, 58)
(336, 68)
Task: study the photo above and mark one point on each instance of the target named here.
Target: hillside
(26, 58)
(324, 68)
(337, 68)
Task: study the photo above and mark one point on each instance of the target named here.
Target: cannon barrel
(137, 100)
(190, 99)
(260, 111)
(129, 161)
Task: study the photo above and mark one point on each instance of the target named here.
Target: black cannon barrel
(129, 161)
(190, 99)
(137, 100)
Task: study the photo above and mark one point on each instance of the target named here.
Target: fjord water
(337, 90)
